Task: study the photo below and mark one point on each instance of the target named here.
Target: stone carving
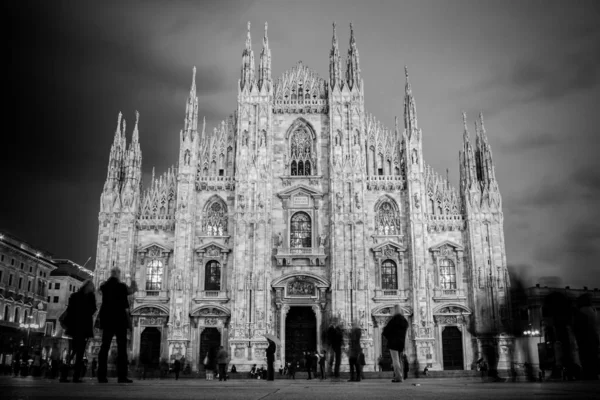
(417, 200)
(339, 199)
(211, 321)
(451, 310)
(357, 200)
(149, 311)
(210, 311)
(186, 157)
(322, 240)
(154, 252)
(213, 251)
(447, 319)
(301, 288)
(152, 321)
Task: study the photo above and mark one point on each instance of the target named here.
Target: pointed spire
(247, 63)
(352, 63)
(135, 137)
(335, 69)
(410, 108)
(193, 88)
(264, 72)
(118, 131)
(466, 130)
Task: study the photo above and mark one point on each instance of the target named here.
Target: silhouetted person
(405, 365)
(322, 363)
(222, 360)
(395, 333)
(587, 337)
(308, 364)
(176, 369)
(335, 337)
(270, 360)
(79, 324)
(354, 351)
(114, 321)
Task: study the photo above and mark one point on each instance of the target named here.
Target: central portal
(300, 332)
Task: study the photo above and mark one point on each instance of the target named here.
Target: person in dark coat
(308, 364)
(354, 351)
(79, 324)
(335, 337)
(322, 363)
(395, 333)
(222, 361)
(270, 360)
(405, 365)
(114, 321)
(176, 369)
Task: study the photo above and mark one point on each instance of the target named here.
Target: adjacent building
(302, 207)
(24, 274)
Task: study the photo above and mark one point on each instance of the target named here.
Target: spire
(118, 130)
(466, 130)
(264, 72)
(352, 63)
(247, 63)
(191, 109)
(193, 88)
(334, 61)
(487, 160)
(410, 108)
(136, 134)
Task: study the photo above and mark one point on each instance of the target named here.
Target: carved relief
(300, 288)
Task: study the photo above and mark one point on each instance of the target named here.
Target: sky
(531, 67)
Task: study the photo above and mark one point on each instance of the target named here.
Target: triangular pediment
(446, 243)
(300, 189)
(389, 244)
(212, 245)
(154, 247)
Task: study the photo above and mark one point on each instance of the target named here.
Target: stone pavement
(31, 388)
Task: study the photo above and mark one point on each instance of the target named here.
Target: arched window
(447, 274)
(25, 317)
(387, 220)
(16, 318)
(154, 275)
(300, 232)
(6, 313)
(301, 152)
(212, 276)
(215, 219)
(389, 275)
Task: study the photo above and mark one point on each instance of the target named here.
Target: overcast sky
(532, 67)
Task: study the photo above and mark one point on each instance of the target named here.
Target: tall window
(16, 319)
(6, 313)
(301, 152)
(216, 219)
(154, 275)
(389, 275)
(447, 274)
(25, 317)
(212, 276)
(300, 232)
(387, 220)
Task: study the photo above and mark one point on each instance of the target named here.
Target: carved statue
(280, 240)
(339, 200)
(300, 288)
(415, 157)
(186, 157)
(322, 240)
(357, 200)
(417, 200)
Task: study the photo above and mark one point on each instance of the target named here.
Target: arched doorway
(452, 348)
(209, 338)
(386, 356)
(150, 346)
(300, 332)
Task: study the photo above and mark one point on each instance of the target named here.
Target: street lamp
(29, 327)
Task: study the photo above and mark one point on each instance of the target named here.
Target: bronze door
(452, 348)
(300, 333)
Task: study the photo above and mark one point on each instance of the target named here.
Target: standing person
(362, 362)
(395, 333)
(222, 357)
(176, 368)
(322, 363)
(114, 321)
(79, 323)
(308, 364)
(292, 369)
(335, 337)
(405, 365)
(94, 367)
(354, 351)
(270, 360)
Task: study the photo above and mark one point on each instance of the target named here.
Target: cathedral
(301, 208)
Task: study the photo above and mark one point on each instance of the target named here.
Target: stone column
(317, 310)
(283, 314)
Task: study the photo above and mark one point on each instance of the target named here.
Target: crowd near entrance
(452, 348)
(300, 332)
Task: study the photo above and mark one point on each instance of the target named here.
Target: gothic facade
(299, 207)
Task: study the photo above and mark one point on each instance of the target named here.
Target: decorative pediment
(388, 249)
(300, 189)
(153, 310)
(452, 309)
(154, 250)
(282, 281)
(446, 246)
(212, 249)
(210, 311)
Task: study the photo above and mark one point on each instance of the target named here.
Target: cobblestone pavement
(30, 388)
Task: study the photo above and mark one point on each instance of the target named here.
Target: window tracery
(447, 274)
(212, 276)
(215, 219)
(301, 152)
(389, 275)
(154, 275)
(301, 230)
(387, 220)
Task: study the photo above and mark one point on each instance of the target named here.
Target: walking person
(292, 369)
(354, 351)
(308, 360)
(176, 369)
(322, 363)
(395, 333)
(79, 323)
(405, 365)
(335, 337)
(222, 360)
(114, 321)
(270, 360)
(362, 362)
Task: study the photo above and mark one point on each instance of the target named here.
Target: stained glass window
(387, 221)
(154, 275)
(212, 276)
(300, 232)
(301, 152)
(389, 275)
(216, 220)
(447, 274)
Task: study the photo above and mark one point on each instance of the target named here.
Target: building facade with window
(301, 208)
(24, 274)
